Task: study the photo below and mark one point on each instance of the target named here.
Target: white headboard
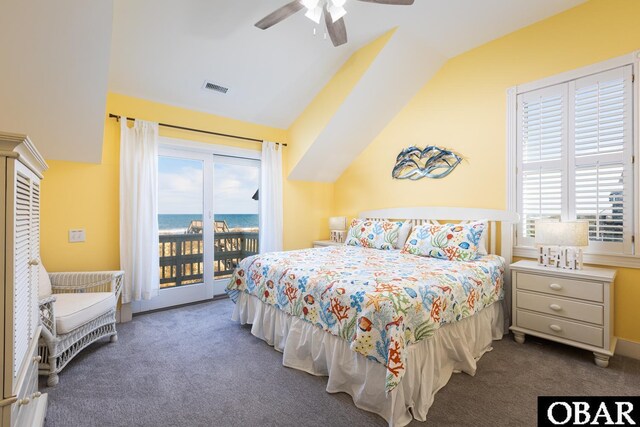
(424, 215)
(507, 220)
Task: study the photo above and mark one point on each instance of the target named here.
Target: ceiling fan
(333, 11)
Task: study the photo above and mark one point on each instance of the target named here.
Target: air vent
(212, 86)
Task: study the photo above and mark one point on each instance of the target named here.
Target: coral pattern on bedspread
(380, 301)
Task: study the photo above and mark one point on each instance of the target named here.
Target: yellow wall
(84, 195)
(315, 117)
(463, 108)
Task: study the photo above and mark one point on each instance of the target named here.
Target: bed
(388, 328)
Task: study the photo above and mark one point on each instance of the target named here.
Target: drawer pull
(555, 328)
(37, 359)
(555, 307)
(34, 261)
(36, 395)
(24, 401)
(555, 286)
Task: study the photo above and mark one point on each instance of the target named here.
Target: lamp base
(566, 257)
(338, 236)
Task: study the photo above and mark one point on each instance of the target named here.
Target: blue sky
(180, 187)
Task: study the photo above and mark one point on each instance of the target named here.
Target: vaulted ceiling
(164, 50)
(60, 58)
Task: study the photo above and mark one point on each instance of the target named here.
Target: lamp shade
(338, 223)
(567, 233)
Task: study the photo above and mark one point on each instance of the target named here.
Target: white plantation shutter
(542, 130)
(574, 154)
(599, 199)
(602, 145)
(542, 126)
(541, 198)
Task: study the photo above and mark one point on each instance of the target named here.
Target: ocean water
(180, 222)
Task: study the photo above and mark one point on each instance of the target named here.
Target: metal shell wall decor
(431, 162)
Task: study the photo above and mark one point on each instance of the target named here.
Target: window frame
(594, 255)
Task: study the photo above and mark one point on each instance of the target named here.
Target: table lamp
(560, 243)
(338, 228)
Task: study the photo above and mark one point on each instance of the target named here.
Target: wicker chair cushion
(44, 283)
(74, 310)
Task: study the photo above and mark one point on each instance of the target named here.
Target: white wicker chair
(86, 304)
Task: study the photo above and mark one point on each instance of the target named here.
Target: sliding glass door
(208, 221)
(236, 202)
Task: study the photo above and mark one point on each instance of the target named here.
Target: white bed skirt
(453, 348)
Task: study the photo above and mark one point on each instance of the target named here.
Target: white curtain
(139, 210)
(271, 198)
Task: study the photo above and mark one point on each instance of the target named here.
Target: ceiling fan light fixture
(336, 12)
(314, 14)
(310, 4)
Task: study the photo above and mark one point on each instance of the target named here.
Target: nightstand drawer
(569, 309)
(560, 328)
(582, 289)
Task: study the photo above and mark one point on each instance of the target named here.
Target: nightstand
(323, 243)
(573, 307)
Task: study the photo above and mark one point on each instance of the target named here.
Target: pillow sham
(403, 234)
(373, 234)
(482, 245)
(453, 242)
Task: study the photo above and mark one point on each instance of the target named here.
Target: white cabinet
(574, 307)
(21, 170)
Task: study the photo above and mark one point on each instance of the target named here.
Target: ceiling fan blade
(392, 2)
(337, 30)
(279, 15)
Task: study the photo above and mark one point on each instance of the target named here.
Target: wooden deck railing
(181, 256)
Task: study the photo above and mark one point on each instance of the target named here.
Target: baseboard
(124, 313)
(628, 348)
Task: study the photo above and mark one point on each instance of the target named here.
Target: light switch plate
(76, 235)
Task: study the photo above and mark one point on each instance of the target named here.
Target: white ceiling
(54, 58)
(163, 50)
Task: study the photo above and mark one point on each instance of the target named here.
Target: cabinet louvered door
(24, 291)
(34, 243)
(602, 173)
(542, 130)
(21, 168)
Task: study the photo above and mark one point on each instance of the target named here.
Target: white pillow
(44, 283)
(403, 234)
(482, 245)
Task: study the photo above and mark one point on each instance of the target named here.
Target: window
(575, 157)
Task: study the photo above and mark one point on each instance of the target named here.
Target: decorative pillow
(44, 282)
(373, 234)
(482, 245)
(455, 242)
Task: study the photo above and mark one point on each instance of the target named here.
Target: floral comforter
(380, 301)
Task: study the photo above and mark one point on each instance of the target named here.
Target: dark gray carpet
(193, 366)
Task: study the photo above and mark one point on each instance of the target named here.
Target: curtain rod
(115, 116)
